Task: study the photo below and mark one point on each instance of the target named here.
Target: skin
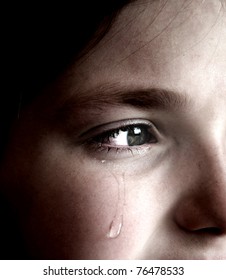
(170, 196)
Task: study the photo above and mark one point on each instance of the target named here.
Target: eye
(121, 139)
(127, 136)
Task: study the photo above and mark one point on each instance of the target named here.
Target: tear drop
(115, 227)
(117, 222)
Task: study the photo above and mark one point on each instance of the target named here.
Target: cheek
(71, 213)
(75, 207)
(75, 203)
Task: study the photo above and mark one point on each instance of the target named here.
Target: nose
(202, 209)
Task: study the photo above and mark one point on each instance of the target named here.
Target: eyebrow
(115, 95)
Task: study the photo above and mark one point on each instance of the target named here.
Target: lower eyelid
(125, 150)
(107, 150)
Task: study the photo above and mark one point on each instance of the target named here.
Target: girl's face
(125, 156)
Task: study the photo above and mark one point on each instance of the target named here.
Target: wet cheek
(79, 210)
(73, 213)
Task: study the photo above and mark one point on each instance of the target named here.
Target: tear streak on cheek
(101, 200)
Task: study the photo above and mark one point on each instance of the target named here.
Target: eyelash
(101, 142)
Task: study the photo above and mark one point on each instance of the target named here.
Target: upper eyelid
(101, 129)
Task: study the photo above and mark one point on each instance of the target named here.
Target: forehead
(161, 42)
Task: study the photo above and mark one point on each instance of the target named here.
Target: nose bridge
(204, 204)
(212, 161)
(210, 137)
(212, 166)
(210, 188)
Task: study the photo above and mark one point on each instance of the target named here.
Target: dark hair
(41, 42)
